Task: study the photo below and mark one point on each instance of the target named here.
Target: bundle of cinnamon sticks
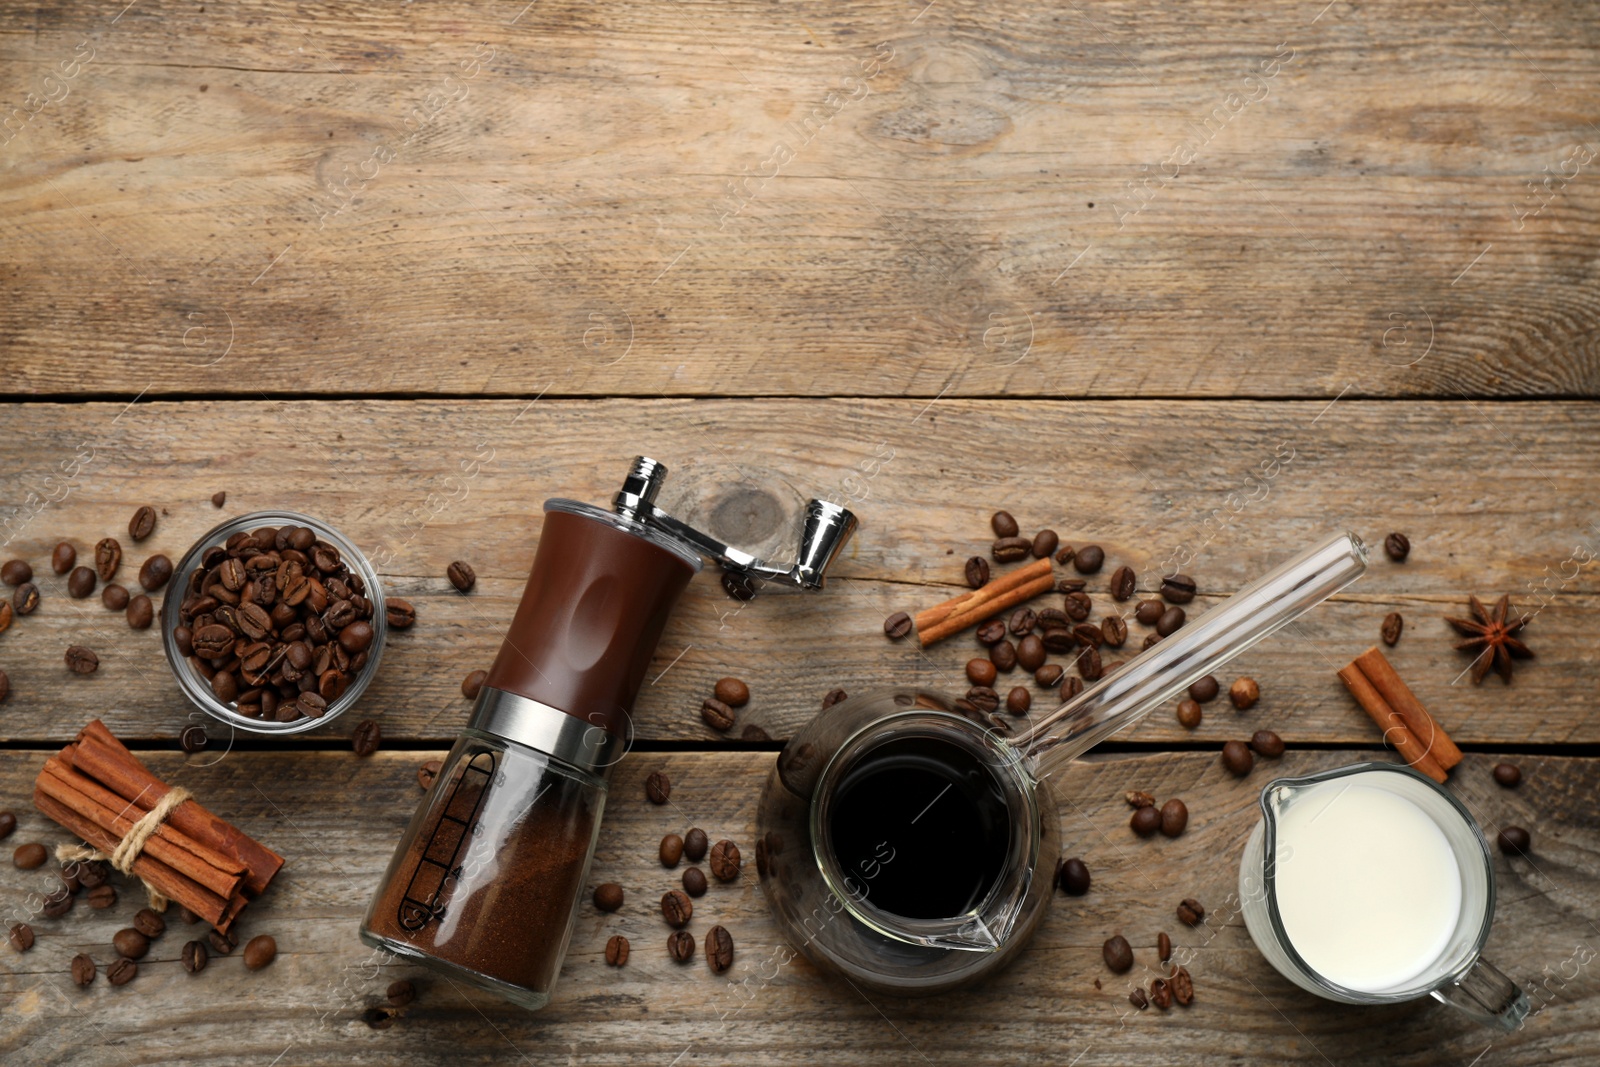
(1405, 723)
(97, 789)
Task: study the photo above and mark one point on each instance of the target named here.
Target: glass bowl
(198, 688)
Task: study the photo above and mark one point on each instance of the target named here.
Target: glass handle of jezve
(1487, 996)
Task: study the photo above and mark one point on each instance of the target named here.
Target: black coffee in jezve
(921, 828)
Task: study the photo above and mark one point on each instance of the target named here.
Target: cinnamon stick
(1395, 732)
(978, 609)
(984, 593)
(1381, 673)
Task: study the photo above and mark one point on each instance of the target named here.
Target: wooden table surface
(1197, 282)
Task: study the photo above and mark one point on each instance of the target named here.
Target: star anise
(1492, 638)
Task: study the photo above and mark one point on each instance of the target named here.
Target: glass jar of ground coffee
(486, 882)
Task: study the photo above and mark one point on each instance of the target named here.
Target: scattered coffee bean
(695, 844)
(719, 949)
(1113, 631)
(428, 772)
(1124, 583)
(58, 902)
(1171, 621)
(1145, 821)
(1237, 758)
(30, 857)
(1506, 774)
(140, 612)
(1118, 954)
(1189, 714)
(1397, 546)
(1053, 619)
(400, 993)
(83, 969)
(680, 946)
(16, 571)
(1089, 559)
(1031, 652)
(25, 599)
(608, 896)
(101, 897)
(399, 613)
(148, 923)
(617, 950)
(260, 951)
(1266, 743)
(1018, 700)
(130, 944)
(1044, 543)
(676, 908)
(8, 822)
(107, 558)
(366, 737)
(832, 697)
(1163, 947)
(121, 971)
(1244, 692)
(472, 684)
(1514, 841)
(694, 882)
(222, 944)
(1003, 656)
(1071, 686)
(7, 612)
(1077, 605)
(155, 572)
(1047, 676)
(1182, 987)
(1021, 622)
(658, 787)
(1003, 524)
(81, 660)
(991, 632)
(1089, 665)
(1074, 877)
(1161, 993)
(671, 850)
(897, 626)
(461, 575)
(1190, 913)
(1149, 612)
(113, 596)
(980, 672)
(1204, 689)
(1174, 817)
(978, 572)
(63, 558)
(188, 916)
(1138, 999)
(312, 706)
(1138, 798)
(724, 861)
(195, 957)
(716, 714)
(80, 583)
(21, 936)
(1010, 549)
(1392, 626)
(142, 523)
(1088, 634)
(1178, 588)
(219, 498)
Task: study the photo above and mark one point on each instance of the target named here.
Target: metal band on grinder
(550, 730)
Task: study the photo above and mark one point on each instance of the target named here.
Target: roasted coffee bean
(676, 908)
(1071, 686)
(428, 772)
(101, 897)
(1074, 877)
(832, 697)
(617, 950)
(1145, 821)
(1204, 689)
(980, 672)
(80, 583)
(195, 957)
(978, 572)
(63, 558)
(461, 575)
(1047, 676)
(732, 692)
(724, 861)
(1059, 639)
(1031, 653)
(58, 902)
(7, 612)
(8, 822)
(1514, 841)
(1052, 619)
(356, 637)
(1089, 559)
(680, 946)
(1506, 774)
(1118, 954)
(992, 632)
(400, 993)
(313, 706)
(114, 597)
(1393, 624)
(983, 698)
(671, 850)
(1190, 913)
(1003, 524)
(142, 523)
(121, 971)
(155, 572)
(1089, 666)
(1088, 634)
(222, 944)
(1077, 606)
(81, 660)
(1124, 583)
(25, 599)
(130, 944)
(719, 949)
(1044, 543)
(219, 498)
(1022, 622)
(1113, 631)
(83, 969)
(694, 882)
(140, 612)
(1010, 549)
(366, 737)
(1019, 700)
(107, 558)
(21, 936)
(1138, 798)
(1182, 987)
(1163, 947)
(897, 626)
(1138, 999)
(1189, 714)
(399, 613)
(1266, 743)
(1174, 817)
(1397, 546)
(148, 923)
(1161, 993)
(30, 856)
(1149, 611)
(741, 587)
(716, 714)
(608, 896)
(658, 787)
(1003, 656)
(260, 951)
(695, 844)
(472, 684)
(254, 622)
(212, 640)
(1178, 588)
(1171, 621)
(1244, 692)
(1237, 758)
(16, 571)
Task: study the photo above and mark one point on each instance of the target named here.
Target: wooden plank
(417, 485)
(336, 818)
(970, 199)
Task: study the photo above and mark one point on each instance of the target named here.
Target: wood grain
(310, 1000)
(965, 199)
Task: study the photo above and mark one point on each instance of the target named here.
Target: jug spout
(1168, 667)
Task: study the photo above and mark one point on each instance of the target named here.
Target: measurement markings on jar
(440, 862)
